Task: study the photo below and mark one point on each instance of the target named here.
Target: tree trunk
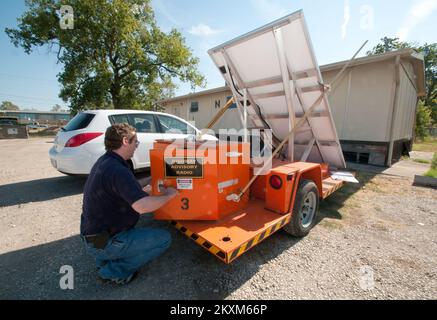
(115, 93)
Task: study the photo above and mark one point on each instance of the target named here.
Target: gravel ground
(376, 240)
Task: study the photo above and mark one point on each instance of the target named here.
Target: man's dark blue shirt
(109, 193)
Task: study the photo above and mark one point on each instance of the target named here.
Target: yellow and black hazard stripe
(260, 237)
(199, 240)
(330, 188)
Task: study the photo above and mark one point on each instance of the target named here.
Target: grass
(43, 132)
(433, 172)
(375, 187)
(330, 224)
(427, 145)
(422, 161)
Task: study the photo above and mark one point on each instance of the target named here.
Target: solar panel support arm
(297, 91)
(220, 113)
(234, 90)
(327, 89)
(286, 84)
(241, 84)
(236, 198)
(245, 115)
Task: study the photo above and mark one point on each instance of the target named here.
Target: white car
(80, 143)
(36, 125)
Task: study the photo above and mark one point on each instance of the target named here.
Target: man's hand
(165, 192)
(148, 189)
(152, 203)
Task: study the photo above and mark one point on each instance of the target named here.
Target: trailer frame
(234, 235)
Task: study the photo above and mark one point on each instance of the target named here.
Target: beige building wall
(177, 108)
(209, 104)
(405, 109)
(373, 105)
(361, 102)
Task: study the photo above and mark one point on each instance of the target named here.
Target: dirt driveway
(375, 240)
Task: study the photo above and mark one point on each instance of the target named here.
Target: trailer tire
(305, 209)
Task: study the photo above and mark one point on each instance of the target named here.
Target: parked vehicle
(8, 121)
(37, 125)
(81, 142)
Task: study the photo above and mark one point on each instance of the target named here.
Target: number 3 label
(185, 204)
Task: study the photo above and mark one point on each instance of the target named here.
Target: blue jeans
(127, 251)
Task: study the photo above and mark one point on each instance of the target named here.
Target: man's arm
(153, 203)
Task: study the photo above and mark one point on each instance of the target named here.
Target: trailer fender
(314, 174)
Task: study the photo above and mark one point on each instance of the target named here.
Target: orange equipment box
(204, 173)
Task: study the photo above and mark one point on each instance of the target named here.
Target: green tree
(430, 58)
(430, 53)
(7, 105)
(423, 121)
(114, 57)
(387, 45)
(56, 108)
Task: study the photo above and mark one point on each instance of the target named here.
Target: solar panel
(275, 65)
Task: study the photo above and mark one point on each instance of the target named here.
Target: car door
(173, 128)
(148, 133)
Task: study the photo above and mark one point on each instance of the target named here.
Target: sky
(337, 29)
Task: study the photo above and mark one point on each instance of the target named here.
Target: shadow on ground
(330, 208)
(185, 271)
(40, 190)
(48, 189)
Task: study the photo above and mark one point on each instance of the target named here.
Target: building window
(217, 104)
(194, 107)
(234, 105)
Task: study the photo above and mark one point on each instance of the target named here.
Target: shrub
(434, 161)
(423, 121)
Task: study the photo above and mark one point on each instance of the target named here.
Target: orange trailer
(288, 198)
(226, 203)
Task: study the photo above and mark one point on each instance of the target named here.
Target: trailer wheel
(305, 209)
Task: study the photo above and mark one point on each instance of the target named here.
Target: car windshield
(81, 121)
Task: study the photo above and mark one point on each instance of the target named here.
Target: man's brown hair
(115, 134)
